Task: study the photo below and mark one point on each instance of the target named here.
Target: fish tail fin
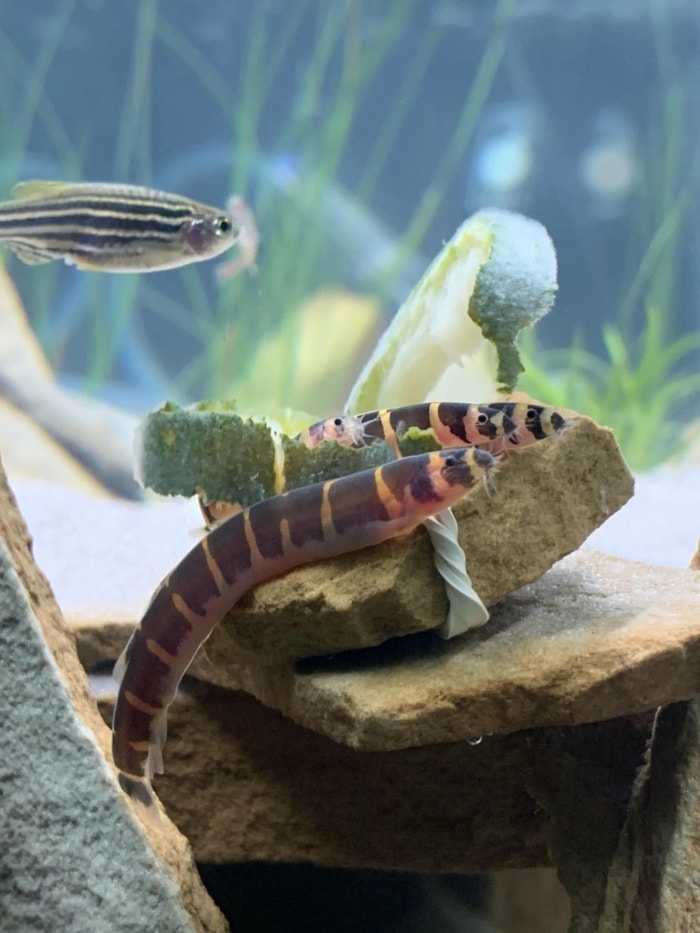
(139, 791)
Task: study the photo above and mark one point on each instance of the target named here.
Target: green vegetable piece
(514, 288)
(415, 441)
(329, 460)
(209, 449)
(495, 276)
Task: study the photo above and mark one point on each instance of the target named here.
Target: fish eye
(223, 226)
(338, 422)
(531, 414)
(482, 418)
(450, 461)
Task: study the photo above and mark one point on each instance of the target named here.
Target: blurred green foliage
(219, 329)
(201, 340)
(646, 388)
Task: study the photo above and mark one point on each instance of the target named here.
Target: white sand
(660, 524)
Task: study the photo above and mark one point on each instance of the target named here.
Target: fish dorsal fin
(24, 190)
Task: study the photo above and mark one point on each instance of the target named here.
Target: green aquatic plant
(191, 337)
(646, 388)
(24, 105)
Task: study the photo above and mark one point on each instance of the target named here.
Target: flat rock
(73, 851)
(246, 784)
(123, 551)
(596, 637)
(593, 638)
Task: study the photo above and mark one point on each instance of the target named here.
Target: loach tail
(139, 789)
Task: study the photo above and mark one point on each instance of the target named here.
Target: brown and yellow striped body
(258, 543)
(532, 423)
(494, 427)
(112, 227)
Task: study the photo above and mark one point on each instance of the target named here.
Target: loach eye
(223, 225)
(531, 414)
(482, 419)
(338, 422)
(450, 461)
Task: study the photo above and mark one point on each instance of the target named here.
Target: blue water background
(576, 84)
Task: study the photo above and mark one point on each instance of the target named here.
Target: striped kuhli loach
(269, 538)
(495, 426)
(111, 227)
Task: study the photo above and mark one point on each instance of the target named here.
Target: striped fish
(454, 424)
(110, 227)
(495, 426)
(269, 538)
(532, 422)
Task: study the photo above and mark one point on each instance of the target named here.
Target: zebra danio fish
(111, 227)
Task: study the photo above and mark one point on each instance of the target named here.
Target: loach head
(464, 467)
(207, 235)
(540, 420)
(492, 423)
(443, 477)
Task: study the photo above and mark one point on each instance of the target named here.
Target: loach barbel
(495, 426)
(271, 537)
(111, 227)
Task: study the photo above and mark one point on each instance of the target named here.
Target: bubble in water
(476, 740)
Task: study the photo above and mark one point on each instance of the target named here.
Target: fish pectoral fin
(32, 255)
(37, 189)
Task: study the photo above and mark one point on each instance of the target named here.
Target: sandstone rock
(695, 559)
(545, 502)
(120, 554)
(244, 783)
(596, 637)
(73, 852)
(651, 882)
